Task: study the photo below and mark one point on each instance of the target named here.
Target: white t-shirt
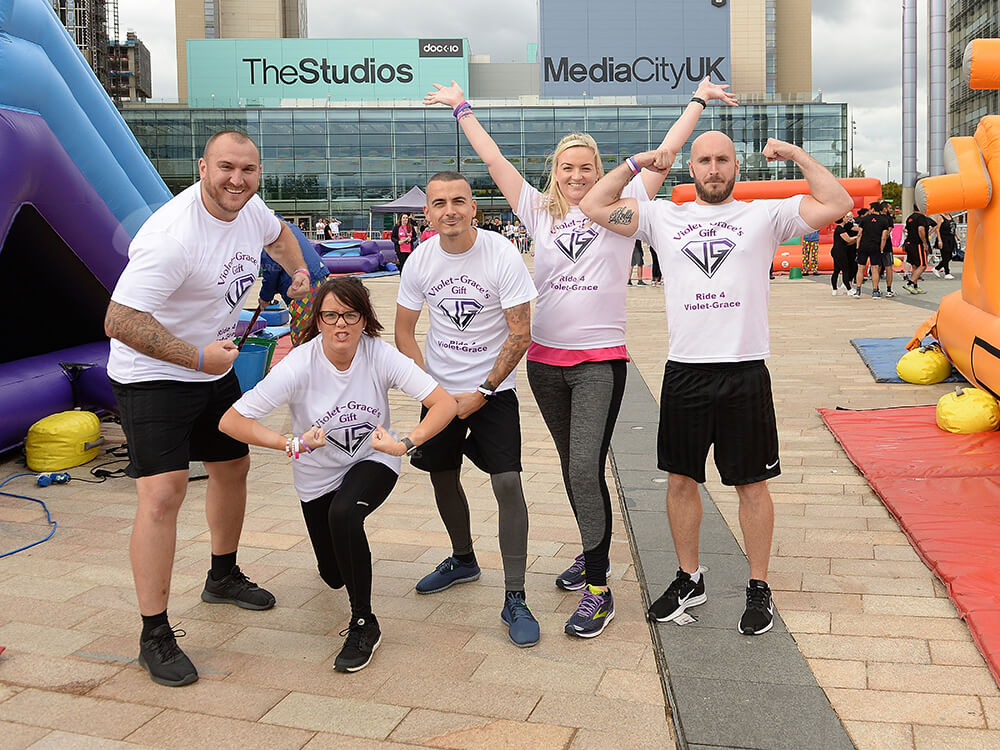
(466, 294)
(347, 404)
(334, 226)
(716, 261)
(581, 270)
(191, 272)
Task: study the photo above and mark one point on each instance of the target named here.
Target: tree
(893, 192)
(857, 171)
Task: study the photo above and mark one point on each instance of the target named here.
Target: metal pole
(909, 101)
(936, 87)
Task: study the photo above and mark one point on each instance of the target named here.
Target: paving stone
(20, 736)
(925, 678)
(461, 732)
(75, 713)
(872, 735)
(339, 715)
(907, 707)
(178, 730)
(61, 675)
(631, 685)
(71, 741)
(840, 673)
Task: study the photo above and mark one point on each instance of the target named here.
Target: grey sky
(857, 48)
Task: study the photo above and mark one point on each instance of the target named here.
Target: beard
(714, 192)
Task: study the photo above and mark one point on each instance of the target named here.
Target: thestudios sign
(240, 72)
(631, 47)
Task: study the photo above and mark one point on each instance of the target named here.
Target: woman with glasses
(577, 358)
(345, 458)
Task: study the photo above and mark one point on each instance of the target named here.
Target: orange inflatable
(967, 322)
(863, 190)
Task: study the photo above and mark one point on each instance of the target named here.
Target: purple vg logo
(350, 437)
(708, 254)
(238, 287)
(460, 311)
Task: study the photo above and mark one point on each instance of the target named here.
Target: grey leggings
(513, 520)
(580, 406)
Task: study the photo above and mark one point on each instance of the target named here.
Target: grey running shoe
(596, 610)
(574, 577)
(447, 574)
(522, 627)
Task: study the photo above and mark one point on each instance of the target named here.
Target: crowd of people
(173, 315)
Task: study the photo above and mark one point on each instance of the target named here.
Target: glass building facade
(337, 162)
(968, 20)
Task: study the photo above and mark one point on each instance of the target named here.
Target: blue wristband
(201, 358)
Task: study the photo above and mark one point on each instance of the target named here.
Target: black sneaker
(167, 664)
(680, 595)
(236, 589)
(363, 637)
(758, 617)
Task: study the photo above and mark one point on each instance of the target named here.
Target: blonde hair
(554, 201)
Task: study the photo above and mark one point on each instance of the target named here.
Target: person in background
(949, 244)
(810, 253)
(403, 239)
(845, 240)
(918, 246)
(637, 265)
(275, 280)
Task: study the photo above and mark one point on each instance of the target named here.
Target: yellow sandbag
(924, 366)
(968, 410)
(61, 441)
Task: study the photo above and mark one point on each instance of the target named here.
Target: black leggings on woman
(842, 266)
(336, 524)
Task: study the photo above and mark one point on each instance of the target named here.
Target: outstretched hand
(450, 95)
(708, 91)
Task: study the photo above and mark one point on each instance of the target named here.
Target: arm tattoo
(146, 334)
(621, 215)
(518, 338)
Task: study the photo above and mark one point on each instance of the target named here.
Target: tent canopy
(413, 201)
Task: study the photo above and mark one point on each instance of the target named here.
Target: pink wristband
(630, 163)
(460, 109)
(300, 270)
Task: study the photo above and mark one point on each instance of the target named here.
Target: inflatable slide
(76, 187)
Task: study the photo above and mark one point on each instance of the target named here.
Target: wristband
(300, 270)
(463, 107)
(700, 101)
(201, 359)
(305, 445)
(630, 163)
(486, 392)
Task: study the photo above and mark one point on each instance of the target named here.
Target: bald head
(714, 167)
(229, 137)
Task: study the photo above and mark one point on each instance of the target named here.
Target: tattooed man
(478, 294)
(171, 320)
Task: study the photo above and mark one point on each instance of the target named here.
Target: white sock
(696, 576)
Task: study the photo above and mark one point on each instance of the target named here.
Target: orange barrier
(967, 322)
(863, 190)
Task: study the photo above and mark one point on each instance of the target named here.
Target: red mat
(944, 490)
(282, 348)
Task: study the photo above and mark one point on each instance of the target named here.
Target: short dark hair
(862, 211)
(352, 293)
(449, 176)
(238, 135)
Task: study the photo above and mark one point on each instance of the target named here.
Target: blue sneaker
(596, 610)
(574, 577)
(447, 574)
(522, 625)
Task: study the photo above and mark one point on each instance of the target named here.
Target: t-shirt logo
(237, 288)
(709, 254)
(575, 243)
(460, 311)
(350, 437)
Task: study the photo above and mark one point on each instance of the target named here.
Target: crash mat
(944, 491)
(881, 356)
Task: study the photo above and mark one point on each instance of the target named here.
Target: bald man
(172, 319)
(715, 254)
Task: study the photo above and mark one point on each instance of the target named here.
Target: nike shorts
(728, 405)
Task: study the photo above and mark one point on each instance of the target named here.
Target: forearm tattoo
(621, 215)
(146, 334)
(516, 344)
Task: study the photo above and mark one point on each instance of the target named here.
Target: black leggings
(947, 251)
(336, 524)
(842, 266)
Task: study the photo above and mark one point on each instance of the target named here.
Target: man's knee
(507, 486)
(235, 470)
(161, 495)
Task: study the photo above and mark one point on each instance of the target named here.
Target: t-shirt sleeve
(786, 220)
(636, 189)
(528, 206)
(403, 374)
(515, 284)
(270, 224)
(156, 268)
(277, 388)
(647, 210)
(409, 294)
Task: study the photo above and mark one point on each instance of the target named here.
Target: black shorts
(490, 437)
(888, 260)
(916, 255)
(169, 423)
(728, 404)
(874, 256)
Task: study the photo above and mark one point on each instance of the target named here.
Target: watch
(486, 390)
(410, 447)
